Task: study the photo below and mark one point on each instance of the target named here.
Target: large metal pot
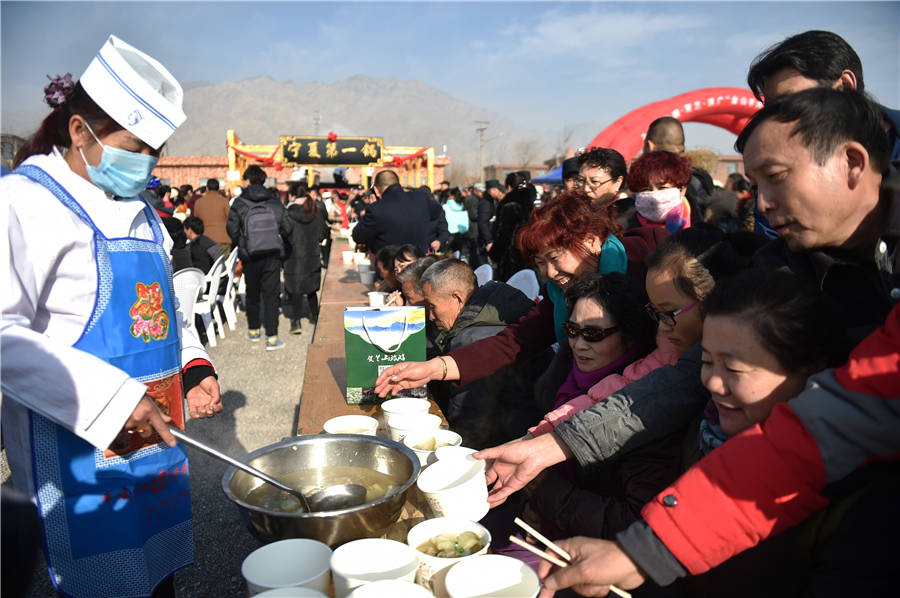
(311, 452)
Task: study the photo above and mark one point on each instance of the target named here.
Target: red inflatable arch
(727, 107)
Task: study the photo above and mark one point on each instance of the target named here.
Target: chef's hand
(147, 418)
(204, 400)
(595, 565)
(516, 463)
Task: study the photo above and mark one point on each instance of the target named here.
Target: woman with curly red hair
(566, 240)
(659, 181)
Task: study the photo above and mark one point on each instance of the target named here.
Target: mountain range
(404, 113)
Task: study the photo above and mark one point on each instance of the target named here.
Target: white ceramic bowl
(390, 588)
(455, 488)
(297, 562)
(427, 457)
(401, 425)
(433, 569)
(492, 576)
(351, 424)
(371, 559)
(403, 406)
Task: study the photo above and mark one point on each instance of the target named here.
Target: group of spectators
(703, 399)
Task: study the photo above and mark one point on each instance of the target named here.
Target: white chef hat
(135, 90)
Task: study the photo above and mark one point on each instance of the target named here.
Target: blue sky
(544, 64)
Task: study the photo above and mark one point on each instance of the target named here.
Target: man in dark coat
(398, 217)
(471, 203)
(500, 407)
(262, 272)
(204, 251)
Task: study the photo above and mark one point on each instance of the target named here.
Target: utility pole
(316, 119)
(481, 129)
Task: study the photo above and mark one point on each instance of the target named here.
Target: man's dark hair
(212, 184)
(195, 224)
(824, 119)
(667, 133)
(254, 174)
(818, 55)
(297, 189)
(605, 158)
(385, 179)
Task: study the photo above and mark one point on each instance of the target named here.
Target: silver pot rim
(293, 440)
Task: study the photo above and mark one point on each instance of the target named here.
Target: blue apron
(117, 522)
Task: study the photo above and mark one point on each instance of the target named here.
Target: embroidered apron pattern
(117, 522)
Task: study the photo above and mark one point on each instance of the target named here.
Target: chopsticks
(554, 548)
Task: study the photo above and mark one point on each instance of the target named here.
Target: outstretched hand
(204, 399)
(411, 374)
(595, 566)
(516, 463)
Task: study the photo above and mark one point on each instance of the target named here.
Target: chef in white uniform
(96, 357)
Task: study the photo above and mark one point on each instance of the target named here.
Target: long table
(325, 383)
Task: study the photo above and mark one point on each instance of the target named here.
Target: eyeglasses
(667, 317)
(591, 334)
(583, 182)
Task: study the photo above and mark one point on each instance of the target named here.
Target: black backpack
(260, 230)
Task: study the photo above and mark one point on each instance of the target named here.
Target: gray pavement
(261, 396)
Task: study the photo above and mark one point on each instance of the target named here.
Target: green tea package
(376, 338)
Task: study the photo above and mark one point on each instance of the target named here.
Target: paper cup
(401, 425)
(453, 452)
(361, 258)
(291, 563)
(403, 406)
(456, 488)
(492, 575)
(347, 256)
(376, 298)
(367, 278)
(392, 588)
(442, 437)
(292, 593)
(351, 424)
(433, 569)
(371, 559)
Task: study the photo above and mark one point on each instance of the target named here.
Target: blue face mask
(120, 172)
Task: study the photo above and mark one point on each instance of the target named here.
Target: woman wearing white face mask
(659, 181)
(96, 360)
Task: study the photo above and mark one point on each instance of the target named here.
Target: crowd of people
(697, 396)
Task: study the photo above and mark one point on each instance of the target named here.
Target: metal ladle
(242, 466)
(340, 496)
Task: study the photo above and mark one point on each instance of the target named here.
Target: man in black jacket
(399, 217)
(204, 251)
(262, 270)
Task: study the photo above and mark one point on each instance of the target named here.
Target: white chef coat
(49, 288)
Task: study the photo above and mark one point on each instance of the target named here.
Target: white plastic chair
(206, 306)
(484, 273)
(188, 283)
(229, 299)
(526, 281)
